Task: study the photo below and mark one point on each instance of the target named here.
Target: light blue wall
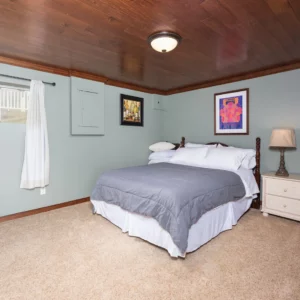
(274, 102)
(75, 161)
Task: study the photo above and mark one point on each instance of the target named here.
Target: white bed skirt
(209, 225)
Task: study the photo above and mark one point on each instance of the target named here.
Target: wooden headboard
(256, 169)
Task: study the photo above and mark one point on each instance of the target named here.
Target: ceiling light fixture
(164, 41)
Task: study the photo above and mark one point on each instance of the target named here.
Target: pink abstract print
(231, 111)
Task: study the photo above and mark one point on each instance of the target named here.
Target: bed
(165, 205)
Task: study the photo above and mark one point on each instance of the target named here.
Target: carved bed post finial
(182, 143)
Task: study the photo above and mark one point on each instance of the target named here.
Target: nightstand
(281, 196)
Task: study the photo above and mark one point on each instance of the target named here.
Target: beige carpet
(71, 254)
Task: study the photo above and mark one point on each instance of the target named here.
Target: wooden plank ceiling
(221, 38)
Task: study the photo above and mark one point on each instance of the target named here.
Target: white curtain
(35, 171)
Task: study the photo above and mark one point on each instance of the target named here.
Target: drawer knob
(285, 190)
(284, 205)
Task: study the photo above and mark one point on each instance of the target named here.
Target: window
(13, 104)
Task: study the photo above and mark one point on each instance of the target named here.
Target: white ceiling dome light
(164, 41)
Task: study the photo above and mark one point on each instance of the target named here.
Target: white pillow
(192, 145)
(157, 161)
(224, 158)
(189, 156)
(161, 146)
(249, 162)
(162, 154)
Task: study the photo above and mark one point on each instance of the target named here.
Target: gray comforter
(174, 195)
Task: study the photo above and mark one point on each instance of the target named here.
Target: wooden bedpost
(256, 202)
(179, 145)
(182, 143)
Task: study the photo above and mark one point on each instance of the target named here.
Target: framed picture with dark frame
(231, 111)
(132, 110)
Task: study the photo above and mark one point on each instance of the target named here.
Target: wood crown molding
(80, 74)
(42, 209)
(108, 81)
(116, 83)
(235, 78)
(134, 87)
(34, 66)
(88, 76)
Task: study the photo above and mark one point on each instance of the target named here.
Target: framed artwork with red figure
(232, 112)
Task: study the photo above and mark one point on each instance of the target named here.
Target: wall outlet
(43, 191)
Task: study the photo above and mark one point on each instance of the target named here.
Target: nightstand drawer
(285, 188)
(291, 206)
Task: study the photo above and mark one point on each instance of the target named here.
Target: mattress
(208, 226)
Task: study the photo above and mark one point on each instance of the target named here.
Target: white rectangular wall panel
(87, 107)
